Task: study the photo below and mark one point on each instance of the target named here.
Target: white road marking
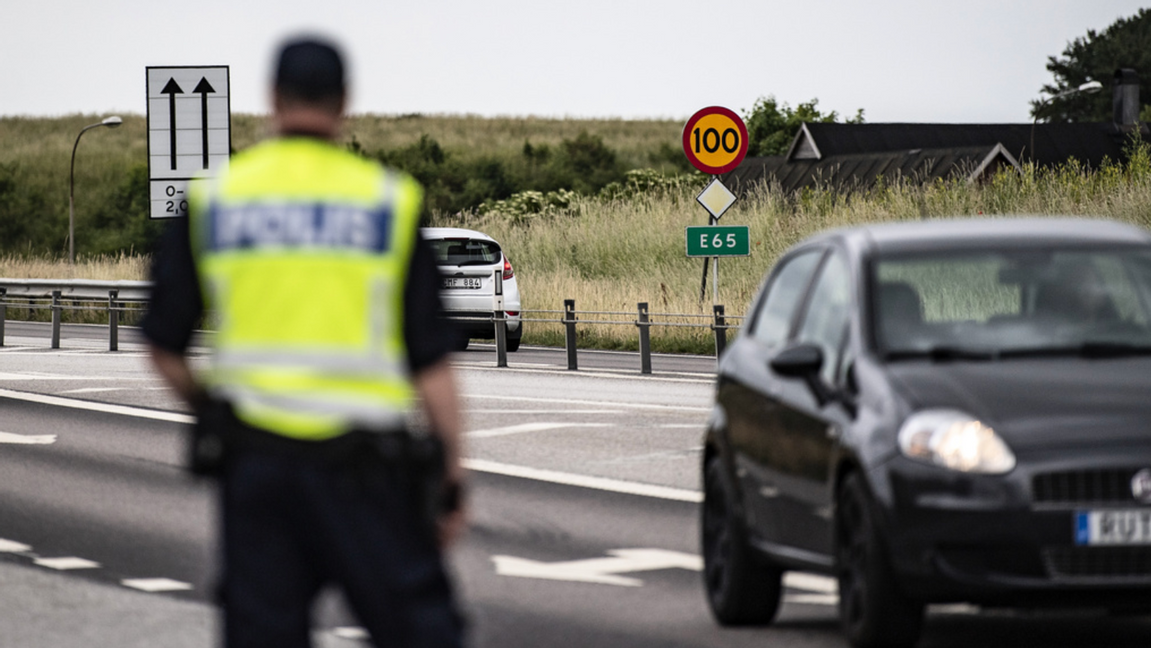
(541, 411)
(26, 439)
(628, 374)
(481, 465)
(11, 546)
(585, 481)
(524, 428)
(813, 599)
(573, 401)
(156, 584)
(351, 632)
(108, 408)
(600, 570)
(810, 582)
(66, 563)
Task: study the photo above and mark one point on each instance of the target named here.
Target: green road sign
(718, 240)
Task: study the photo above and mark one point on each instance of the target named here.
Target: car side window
(777, 308)
(825, 322)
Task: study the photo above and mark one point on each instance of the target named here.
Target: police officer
(327, 302)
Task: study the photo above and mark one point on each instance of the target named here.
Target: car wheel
(461, 342)
(873, 611)
(741, 588)
(514, 344)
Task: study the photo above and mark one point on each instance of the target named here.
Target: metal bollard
(644, 339)
(3, 313)
(113, 321)
(56, 319)
(570, 333)
(501, 320)
(720, 328)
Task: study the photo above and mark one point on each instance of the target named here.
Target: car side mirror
(799, 361)
(805, 361)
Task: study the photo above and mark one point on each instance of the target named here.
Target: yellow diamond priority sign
(716, 198)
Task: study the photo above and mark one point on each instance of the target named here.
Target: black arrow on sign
(203, 87)
(172, 89)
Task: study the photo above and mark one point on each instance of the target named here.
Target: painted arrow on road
(600, 570)
(172, 89)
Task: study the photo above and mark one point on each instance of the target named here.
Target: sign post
(189, 132)
(715, 142)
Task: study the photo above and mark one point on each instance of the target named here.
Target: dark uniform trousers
(293, 523)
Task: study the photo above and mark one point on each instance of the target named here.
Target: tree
(1095, 57)
(771, 127)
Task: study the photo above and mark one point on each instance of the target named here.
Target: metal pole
(720, 331)
(715, 280)
(55, 319)
(570, 333)
(113, 321)
(501, 321)
(644, 339)
(3, 313)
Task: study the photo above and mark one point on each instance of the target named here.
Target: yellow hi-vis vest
(302, 250)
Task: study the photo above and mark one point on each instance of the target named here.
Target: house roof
(1087, 142)
(863, 170)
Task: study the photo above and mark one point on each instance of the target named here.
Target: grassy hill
(608, 251)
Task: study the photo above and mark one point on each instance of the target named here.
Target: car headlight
(954, 440)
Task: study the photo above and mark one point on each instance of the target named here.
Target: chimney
(1125, 99)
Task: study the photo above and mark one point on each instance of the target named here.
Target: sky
(972, 61)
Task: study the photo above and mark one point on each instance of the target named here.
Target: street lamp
(111, 122)
(1089, 87)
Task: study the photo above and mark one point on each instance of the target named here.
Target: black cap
(310, 69)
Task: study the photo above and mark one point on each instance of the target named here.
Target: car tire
(514, 342)
(872, 609)
(461, 342)
(741, 588)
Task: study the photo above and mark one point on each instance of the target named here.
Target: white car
(468, 260)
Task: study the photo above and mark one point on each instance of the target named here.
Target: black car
(938, 411)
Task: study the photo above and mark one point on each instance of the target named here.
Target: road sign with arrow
(189, 132)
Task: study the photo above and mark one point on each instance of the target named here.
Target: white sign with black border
(189, 132)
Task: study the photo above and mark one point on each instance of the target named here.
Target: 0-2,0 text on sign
(189, 132)
(715, 140)
(718, 240)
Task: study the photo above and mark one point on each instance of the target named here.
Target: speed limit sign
(715, 140)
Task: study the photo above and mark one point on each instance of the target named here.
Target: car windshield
(465, 251)
(993, 304)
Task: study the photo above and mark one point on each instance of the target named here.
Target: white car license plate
(463, 282)
(1113, 527)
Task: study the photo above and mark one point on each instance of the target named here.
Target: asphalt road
(584, 519)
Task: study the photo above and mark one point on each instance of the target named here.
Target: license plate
(1113, 527)
(462, 282)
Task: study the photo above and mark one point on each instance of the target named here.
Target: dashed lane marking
(592, 403)
(108, 408)
(524, 428)
(480, 465)
(11, 546)
(66, 563)
(540, 411)
(156, 584)
(584, 481)
(27, 439)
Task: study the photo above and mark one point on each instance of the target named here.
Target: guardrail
(72, 295)
(116, 297)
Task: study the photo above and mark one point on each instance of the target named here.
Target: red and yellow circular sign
(715, 140)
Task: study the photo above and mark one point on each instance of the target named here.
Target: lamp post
(111, 122)
(1089, 87)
